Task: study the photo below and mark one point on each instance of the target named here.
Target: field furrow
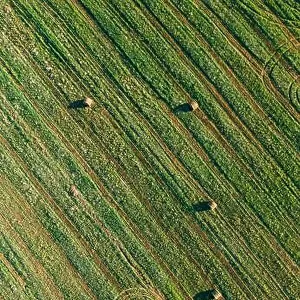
(115, 201)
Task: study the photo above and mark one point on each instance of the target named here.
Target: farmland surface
(142, 163)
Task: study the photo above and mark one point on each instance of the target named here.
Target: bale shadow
(201, 206)
(203, 295)
(78, 104)
(182, 108)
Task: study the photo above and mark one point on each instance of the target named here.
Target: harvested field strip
(123, 123)
(217, 60)
(264, 23)
(264, 54)
(68, 249)
(14, 273)
(139, 161)
(30, 277)
(112, 149)
(269, 13)
(221, 40)
(241, 115)
(202, 116)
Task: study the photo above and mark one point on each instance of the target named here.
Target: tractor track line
(94, 178)
(223, 107)
(235, 45)
(227, 70)
(265, 74)
(245, 93)
(241, 49)
(224, 142)
(61, 215)
(40, 269)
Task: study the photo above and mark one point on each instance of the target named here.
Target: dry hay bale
(216, 295)
(7, 9)
(194, 105)
(73, 191)
(212, 205)
(88, 102)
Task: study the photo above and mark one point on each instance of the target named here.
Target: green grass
(139, 163)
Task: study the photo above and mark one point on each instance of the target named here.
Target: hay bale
(212, 205)
(194, 105)
(216, 295)
(88, 102)
(7, 9)
(73, 191)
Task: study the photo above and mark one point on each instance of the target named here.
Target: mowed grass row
(11, 283)
(186, 39)
(29, 237)
(233, 54)
(78, 216)
(169, 250)
(160, 43)
(239, 24)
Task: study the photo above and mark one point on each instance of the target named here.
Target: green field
(142, 162)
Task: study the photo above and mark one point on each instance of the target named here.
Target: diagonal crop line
(269, 14)
(270, 65)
